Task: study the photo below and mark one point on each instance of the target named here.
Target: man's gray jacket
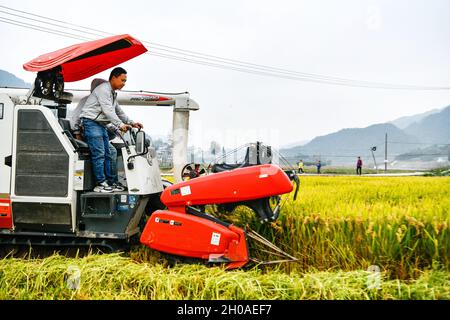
(102, 106)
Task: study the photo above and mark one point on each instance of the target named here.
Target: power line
(211, 60)
(297, 78)
(46, 22)
(37, 28)
(48, 18)
(205, 63)
(74, 36)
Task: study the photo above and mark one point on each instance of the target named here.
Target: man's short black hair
(117, 72)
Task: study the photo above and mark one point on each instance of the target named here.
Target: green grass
(444, 171)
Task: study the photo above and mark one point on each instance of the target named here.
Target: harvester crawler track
(61, 242)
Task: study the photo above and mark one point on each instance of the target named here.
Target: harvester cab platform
(47, 178)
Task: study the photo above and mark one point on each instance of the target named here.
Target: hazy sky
(398, 42)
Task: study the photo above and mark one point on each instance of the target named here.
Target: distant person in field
(359, 165)
(319, 165)
(300, 167)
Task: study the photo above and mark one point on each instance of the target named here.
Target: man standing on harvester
(101, 108)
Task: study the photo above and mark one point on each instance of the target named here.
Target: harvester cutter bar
(275, 250)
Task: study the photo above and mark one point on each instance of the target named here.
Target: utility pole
(385, 153)
(374, 161)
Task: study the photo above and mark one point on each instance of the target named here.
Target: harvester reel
(265, 209)
(192, 171)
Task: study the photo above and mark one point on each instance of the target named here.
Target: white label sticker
(185, 190)
(215, 238)
(78, 176)
(123, 198)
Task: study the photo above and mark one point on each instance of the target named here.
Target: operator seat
(80, 146)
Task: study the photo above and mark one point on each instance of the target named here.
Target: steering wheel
(192, 171)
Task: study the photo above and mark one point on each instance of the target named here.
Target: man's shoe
(118, 187)
(103, 187)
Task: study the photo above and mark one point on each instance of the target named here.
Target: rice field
(401, 224)
(355, 237)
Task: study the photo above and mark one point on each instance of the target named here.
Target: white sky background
(398, 42)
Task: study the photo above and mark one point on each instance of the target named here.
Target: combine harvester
(46, 175)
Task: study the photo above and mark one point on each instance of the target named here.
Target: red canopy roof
(86, 59)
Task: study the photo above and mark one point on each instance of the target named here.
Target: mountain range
(434, 128)
(408, 138)
(9, 80)
(404, 122)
